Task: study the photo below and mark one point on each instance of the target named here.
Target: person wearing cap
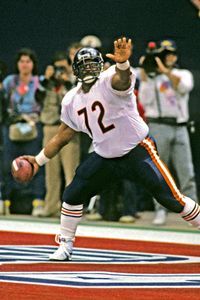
(165, 96)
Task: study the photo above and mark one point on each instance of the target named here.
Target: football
(22, 170)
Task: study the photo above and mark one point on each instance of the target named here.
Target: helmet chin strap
(89, 79)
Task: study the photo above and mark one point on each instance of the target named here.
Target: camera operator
(53, 86)
(164, 92)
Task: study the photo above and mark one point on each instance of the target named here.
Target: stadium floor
(110, 260)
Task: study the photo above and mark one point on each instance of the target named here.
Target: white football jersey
(108, 116)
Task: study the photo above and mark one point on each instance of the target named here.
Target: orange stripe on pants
(150, 147)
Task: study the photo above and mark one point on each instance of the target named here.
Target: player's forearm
(50, 150)
(54, 146)
(61, 139)
(121, 80)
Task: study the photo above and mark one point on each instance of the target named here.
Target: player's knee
(177, 207)
(172, 204)
(74, 194)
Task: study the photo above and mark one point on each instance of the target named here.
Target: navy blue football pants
(141, 164)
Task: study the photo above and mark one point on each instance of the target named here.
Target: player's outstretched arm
(62, 138)
(122, 51)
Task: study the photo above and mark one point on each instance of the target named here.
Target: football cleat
(64, 251)
(61, 254)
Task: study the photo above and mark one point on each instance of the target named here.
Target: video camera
(149, 63)
(59, 70)
(164, 47)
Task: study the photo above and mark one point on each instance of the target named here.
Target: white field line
(106, 232)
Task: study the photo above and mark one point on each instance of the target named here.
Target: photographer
(21, 129)
(53, 87)
(164, 92)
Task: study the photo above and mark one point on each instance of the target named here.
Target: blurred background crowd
(31, 90)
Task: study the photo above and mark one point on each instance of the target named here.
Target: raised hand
(122, 50)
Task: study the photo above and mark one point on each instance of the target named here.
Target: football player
(103, 105)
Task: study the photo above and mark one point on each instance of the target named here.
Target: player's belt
(166, 121)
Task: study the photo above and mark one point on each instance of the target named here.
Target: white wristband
(41, 158)
(123, 66)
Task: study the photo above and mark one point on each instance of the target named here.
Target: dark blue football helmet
(88, 64)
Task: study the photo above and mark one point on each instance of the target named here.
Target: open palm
(122, 50)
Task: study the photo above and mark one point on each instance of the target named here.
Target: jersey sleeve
(65, 114)
(108, 78)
